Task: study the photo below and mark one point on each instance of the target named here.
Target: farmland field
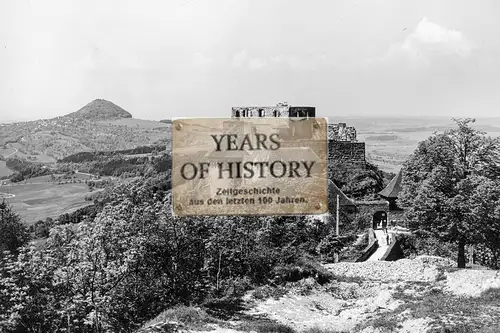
(134, 122)
(39, 200)
(4, 171)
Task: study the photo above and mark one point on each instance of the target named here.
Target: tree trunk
(218, 270)
(461, 254)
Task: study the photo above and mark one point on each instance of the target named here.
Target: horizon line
(450, 117)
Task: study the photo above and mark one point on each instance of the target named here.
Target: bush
(354, 251)
(305, 267)
(414, 244)
(407, 242)
(265, 292)
(236, 287)
(192, 318)
(333, 244)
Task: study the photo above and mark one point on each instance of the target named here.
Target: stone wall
(343, 148)
(371, 207)
(393, 253)
(350, 154)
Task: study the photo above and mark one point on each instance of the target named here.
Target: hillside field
(38, 200)
(134, 122)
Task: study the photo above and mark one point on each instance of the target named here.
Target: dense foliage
(128, 258)
(362, 184)
(13, 233)
(97, 155)
(25, 169)
(119, 165)
(451, 188)
(420, 243)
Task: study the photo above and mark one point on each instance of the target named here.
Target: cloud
(430, 42)
(431, 38)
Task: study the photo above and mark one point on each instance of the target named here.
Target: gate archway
(379, 220)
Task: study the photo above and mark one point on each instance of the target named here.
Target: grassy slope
(37, 200)
(133, 122)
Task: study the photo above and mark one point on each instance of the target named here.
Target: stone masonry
(343, 146)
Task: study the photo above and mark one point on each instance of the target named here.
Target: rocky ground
(425, 294)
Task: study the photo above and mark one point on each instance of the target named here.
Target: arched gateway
(379, 220)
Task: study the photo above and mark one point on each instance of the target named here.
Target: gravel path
(401, 270)
(471, 282)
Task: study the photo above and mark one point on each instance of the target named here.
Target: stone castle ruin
(345, 152)
(280, 110)
(343, 146)
(341, 132)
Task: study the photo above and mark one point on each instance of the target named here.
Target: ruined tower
(344, 150)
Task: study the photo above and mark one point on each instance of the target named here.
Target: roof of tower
(392, 190)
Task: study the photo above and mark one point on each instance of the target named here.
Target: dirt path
(17, 150)
(13, 153)
(382, 293)
(84, 173)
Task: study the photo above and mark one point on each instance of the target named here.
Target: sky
(161, 59)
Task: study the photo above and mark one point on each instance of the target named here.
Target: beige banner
(249, 166)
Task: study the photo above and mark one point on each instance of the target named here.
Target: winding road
(83, 173)
(12, 153)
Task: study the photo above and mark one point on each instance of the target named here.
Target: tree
(13, 233)
(358, 183)
(441, 180)
(485, 203)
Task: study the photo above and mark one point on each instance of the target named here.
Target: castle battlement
(336, 132)
(280, 110)
(343, 146)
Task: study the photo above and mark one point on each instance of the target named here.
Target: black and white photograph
(249, 166)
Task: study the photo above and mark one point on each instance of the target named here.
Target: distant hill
(100, 109)
(166, 121)
(98, 126)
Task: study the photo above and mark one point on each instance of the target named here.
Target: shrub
(333, 244)
(304, 268)
(191, 317)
